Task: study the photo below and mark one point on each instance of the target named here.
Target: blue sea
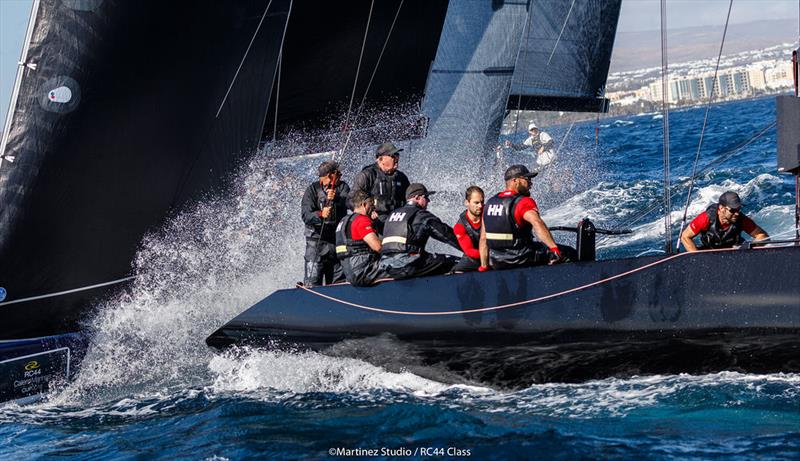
(149, 388)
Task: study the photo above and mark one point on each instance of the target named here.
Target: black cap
(731, 200)
(387, 148)
(519, 171)
(417, 189)
(327, 168)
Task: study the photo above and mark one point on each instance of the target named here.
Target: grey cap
(327, 168)
(731, 200)
(519, 171)
(417, 189)
(387, 148)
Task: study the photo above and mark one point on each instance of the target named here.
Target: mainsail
(564, 59)
(127, 111)
(498, 56)
(119, 118)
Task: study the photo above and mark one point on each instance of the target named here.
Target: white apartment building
(779, 76)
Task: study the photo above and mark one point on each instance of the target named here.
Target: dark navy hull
(700, 312)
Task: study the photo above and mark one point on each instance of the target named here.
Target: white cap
(532, 126)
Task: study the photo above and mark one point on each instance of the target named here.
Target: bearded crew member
(406, 233)
(468, 230)
(508, 219)
(384, 182)
(357, 244)
(323, 205)
(721, 225)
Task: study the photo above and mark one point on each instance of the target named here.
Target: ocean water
(149, 388)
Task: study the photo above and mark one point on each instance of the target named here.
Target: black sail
(565, 55)
(127, 111)
(120, 118)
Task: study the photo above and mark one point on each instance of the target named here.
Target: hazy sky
(636, 15)
(641, 15)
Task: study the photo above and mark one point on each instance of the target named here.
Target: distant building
(779, 76)
(756, 76)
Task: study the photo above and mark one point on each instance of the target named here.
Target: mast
(665, 108)
(22, 65)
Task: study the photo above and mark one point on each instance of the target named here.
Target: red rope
(504, 306)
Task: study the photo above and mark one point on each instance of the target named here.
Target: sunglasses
(733, 210)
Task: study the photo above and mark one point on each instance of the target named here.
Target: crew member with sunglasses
(510, 219)
(721, 225)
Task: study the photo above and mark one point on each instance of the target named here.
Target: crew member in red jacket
(721, 225)
(468, 230)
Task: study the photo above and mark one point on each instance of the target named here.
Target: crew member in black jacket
(406, 233)
(324, 204)
(383, 182)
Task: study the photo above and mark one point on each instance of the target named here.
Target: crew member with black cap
(721, 225)
(384, 182)
(324, 204)
(508, 219)
(358, 246)
(406, 233)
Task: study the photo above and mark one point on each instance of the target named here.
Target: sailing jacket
(314, 199)
(389, 191)
(509, 243)
(717, 237)
(407, 230)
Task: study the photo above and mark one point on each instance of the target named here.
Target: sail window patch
(60, 95)
(2, 294)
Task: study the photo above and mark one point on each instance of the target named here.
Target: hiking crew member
(508, 219)
(323, 205)
(383, 182)
(721, 225)
(468, 230)
(358, 246)
(406, 233)
(539, 142)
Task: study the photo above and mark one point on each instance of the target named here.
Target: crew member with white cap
(539, 142)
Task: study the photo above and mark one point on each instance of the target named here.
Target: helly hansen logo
(396, 217)
(494, 210)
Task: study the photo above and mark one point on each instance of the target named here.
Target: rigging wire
(665, 107)
(371, 78)
(346, 125)
(712, 164)
(241, 63)
(280, 68)
(560, 33)
(703, 129)
(526, 31)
